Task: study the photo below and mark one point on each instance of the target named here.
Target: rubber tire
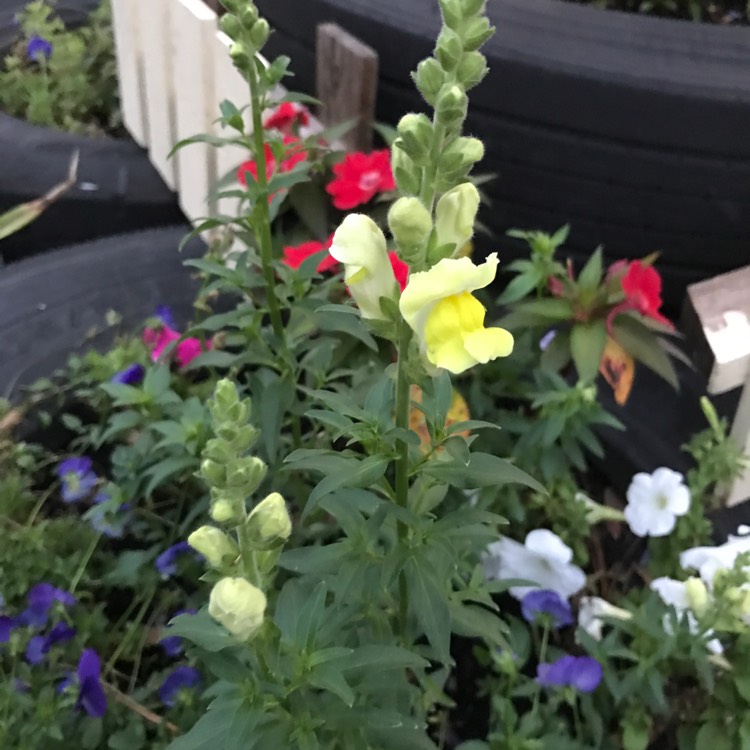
(72, 12)
(632, 129)
(50, 304)
(118, 189)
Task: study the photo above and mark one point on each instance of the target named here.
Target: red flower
(359, 177)
(287, 116)
(295, 256)
(400, 269)
(642, 287)
(294, 154)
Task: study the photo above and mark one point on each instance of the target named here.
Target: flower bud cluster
(246, 29)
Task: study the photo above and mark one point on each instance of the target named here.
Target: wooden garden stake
(346, 80)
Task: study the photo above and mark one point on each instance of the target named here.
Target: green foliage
(726, 11)
(75, 88)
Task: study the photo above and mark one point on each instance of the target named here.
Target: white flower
(543, 559)
(654, 502)
(682, 596)
(591, 611)
(708, 561)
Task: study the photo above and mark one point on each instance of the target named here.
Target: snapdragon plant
(345, 641)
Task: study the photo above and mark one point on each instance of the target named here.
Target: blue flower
(166, 563)
(172, 644)
(179, 679)
(38, 48)
(106, 519)
(40, 599)
(77, 478)
(40, 645)
(131, 375)
(580, 672)
(165, 315)
(541, 602)
(91, 697)
(7, 625)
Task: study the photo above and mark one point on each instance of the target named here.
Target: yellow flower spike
(360, 245)
(455, 215)
(449, 321)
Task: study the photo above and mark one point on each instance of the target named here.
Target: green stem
(263, 228)
(429, 176)
(577, 719)
(542, 657)
(84, 562)
(403, 400)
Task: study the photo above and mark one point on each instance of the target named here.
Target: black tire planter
(118, 189)
(56, 304)
(632, 129)
(73, 13)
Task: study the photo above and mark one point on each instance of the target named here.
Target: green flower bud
(213, 473)
(238, 606)
(224, 511)
(697, 596)
(410, 223)
(268, 524)
(473, 7)
(239, 55)
(455, 215)
(449, 49)
(451, 105)
(218, 451)
(214, 545)
(472, 69)
(225, 406)
(231, 25)
(416, 136)
(246, 473)
(476, 32)
(259, 33)
(429, 79)
(249, 16)
(407, 174)
(452, 13)
(232, 6)
(460, 156)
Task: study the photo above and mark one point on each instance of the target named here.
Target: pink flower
(642, 287)
(188, 350)
(359, 177)
(287, 116)
(158, 339)
(296, 255)
(400, 269)
(293, 155)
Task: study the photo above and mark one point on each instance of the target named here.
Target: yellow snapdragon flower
(449, 321)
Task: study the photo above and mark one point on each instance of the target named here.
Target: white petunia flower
(655, 501)
(543, 559)
(708, 561)
(591, 611)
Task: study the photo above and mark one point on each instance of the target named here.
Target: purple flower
(131, 375)
(40, 645)
(38, 48)
(91, 696)
(7, 625)
(107, 520)
(179, 679)
(581, 672)
(166, 563)
(40, 599)
(172, 644)
(165, 315)
(77, 478)
(541, 602)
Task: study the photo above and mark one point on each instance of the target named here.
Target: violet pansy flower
(131, 375)
(544, 602)
(91, 697)
(181, 678)
(166, 562)
(580, 672)
(76, 477)
(38, 48)
(40, 645)
(40, 599)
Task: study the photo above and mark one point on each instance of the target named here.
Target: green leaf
(587, 342)
(591, 274)
(170, 467)
(202, 630)
(713, 736)
(519, 287)
(229, 724)
(327, 677)
(381, 658)
(483, 470)
(212, 358)
(343, 321)
(428, 602)
(642, 344)
(310, 616)
(477, 622)
(358, 474)
(278, 395)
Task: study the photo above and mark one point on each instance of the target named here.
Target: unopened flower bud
(225, 406)
(224, 511)
(416, 136)
(697, 596)
(239, 54)
(473, 7)
(451, 105)
(472, 69)
(248, 15)
(596, 513)
(238, 606)
(429, 79)
(449, 49)
(460, 156)
(476, 32)
(259, 33)
(214, 545)
(247, 473)
(452, 12)
(410, 222)
(455, 215)
(231, 25)
(214, 473)
(268, 524)
(405, 172)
